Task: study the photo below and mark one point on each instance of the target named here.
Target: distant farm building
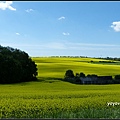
(96, 80)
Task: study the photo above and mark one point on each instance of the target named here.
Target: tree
(117, 79)
(77, 78)
(77, 75)
(69, 74)
(92, 75)
(16, 66)
(82, 74)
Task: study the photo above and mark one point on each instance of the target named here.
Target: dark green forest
(16, 66)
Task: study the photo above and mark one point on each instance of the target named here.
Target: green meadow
(52, 97)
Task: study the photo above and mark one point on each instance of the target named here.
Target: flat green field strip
(50, 97)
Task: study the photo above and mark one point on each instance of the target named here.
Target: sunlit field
(52, 97)
(56, 67)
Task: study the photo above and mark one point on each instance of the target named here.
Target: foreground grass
(50, 98)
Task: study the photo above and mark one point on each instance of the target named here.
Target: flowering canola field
(50, 97)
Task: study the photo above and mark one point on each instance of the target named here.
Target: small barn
(104, 79)
(88, 80)
(96, 80)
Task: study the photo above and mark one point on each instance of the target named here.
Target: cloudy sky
(61, 28)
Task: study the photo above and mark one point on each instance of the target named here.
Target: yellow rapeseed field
(50, 97)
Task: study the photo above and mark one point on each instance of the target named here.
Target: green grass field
(51, 97)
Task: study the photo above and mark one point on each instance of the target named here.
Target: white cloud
(17, 33)
(7, 4)
(66, 33)
(61, 18)
(116, 26)
(29, 10)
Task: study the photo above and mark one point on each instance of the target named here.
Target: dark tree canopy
(82, 74)
(69, 74)
(117, 79)
(16, 66)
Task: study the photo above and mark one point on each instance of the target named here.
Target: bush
(16, 66)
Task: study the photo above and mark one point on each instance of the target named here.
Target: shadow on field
(49, 79)
(52, 79)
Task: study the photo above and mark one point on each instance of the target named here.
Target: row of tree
(110, 58)
(69, 75)
(16, 66)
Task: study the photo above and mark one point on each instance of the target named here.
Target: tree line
(69, 76)
(16, 66)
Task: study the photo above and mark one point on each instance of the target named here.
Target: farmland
(51, 97)
(56, 67)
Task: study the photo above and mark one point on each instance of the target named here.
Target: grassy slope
(59, 99)
(56, 67)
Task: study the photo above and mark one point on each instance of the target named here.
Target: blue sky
(61, 28)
